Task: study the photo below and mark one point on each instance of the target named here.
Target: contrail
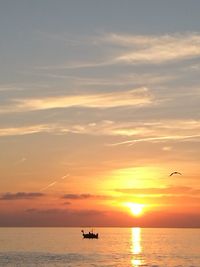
(55, 182)
(63, 177)
(152, 139)
(49, 185)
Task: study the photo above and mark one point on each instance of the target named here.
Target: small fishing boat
(90, 235)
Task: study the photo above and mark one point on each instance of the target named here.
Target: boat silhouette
(90, 235)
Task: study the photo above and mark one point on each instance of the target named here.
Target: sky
(99, 104)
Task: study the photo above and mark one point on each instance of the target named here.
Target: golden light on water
(136, 248)
(136, 245)
(136, 263)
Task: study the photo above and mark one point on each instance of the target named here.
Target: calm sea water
(124, 247)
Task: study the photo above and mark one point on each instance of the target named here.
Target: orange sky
(100, 196)
(95, 114)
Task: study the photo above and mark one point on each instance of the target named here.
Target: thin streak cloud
(24, 130)
(85, 196)
(135, 97)
(157, 139)
(54, 182)
(49, 185)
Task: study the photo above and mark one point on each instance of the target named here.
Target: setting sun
(135, 208)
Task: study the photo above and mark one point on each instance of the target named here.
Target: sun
(135, 208)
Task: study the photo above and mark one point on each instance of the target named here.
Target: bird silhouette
(175, 173)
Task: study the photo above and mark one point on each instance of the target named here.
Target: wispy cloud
(162, 131)
(134, 97)
(142, 131)
(24, 130)
(114, 80)
(77, 65)
(140, 96)
(142, 49)
(20, 195)
(156, 49)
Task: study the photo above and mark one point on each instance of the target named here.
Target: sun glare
(135, 208)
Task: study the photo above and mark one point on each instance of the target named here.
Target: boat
(90, 235)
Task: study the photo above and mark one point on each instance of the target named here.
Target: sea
(116, 247)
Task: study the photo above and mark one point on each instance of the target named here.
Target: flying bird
(175, 173)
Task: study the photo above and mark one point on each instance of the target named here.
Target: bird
(175, 173)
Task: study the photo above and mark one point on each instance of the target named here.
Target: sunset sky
(99, 103)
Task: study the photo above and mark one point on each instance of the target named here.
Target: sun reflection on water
(136, 248)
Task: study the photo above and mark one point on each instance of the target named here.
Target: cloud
(153, 131)
(114, 80)
(76, 65)
(83, 196)
(31, 129)
(20, 195)
(54, 182)
(70, 212)
(139, 96)
(47, 211)
(138, 49)
(77, 196)
(158, 139)
(135, 97)
(137, 131)
(155, 49)
(49, 185)
(95, 218)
